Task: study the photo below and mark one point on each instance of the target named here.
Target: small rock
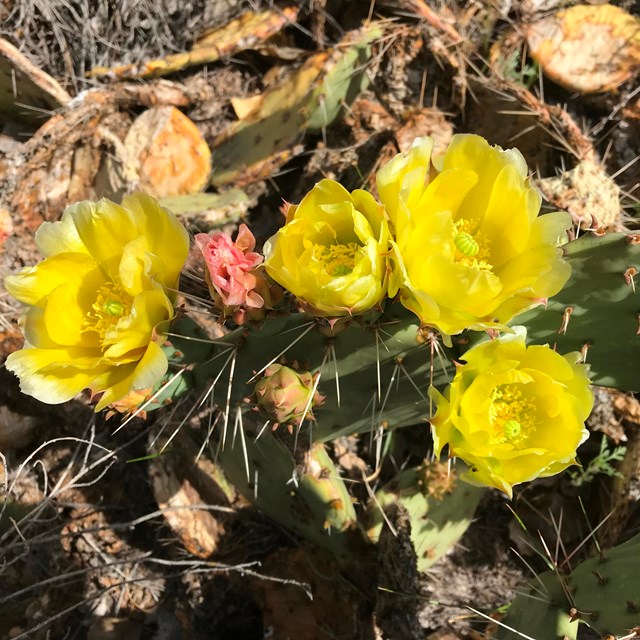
(16, 430)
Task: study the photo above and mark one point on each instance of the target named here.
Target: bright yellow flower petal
(116, 383)
(135, 330)
(152, 366)
(401, 182)
(53, 375)
(550, 229)
(168, 240)
(64, 319)
(134, 271)
(33, 284)
(512, 412)
(474, 153)
(53, 238)
(469, 250)
(99, 300)
(106, 228)
(142, 374)
(332, 254)
(446, 193)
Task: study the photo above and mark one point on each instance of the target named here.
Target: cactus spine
(602, 592)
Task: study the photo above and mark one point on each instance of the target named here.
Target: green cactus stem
(382, 366)
(385, 368)
(345, 79)
(303, 491)
(209, 210)
(541, 613)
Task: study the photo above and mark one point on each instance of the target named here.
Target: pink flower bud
(233, 282)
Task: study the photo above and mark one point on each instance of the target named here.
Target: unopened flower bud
(284, 395)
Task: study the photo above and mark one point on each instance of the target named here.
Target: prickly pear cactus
(542, 613)
(383, 362)
(602, 592)
(598, 311)
(344, 80)
(350, 336)
(440, 509)
(384, 359)
(606, 589)
(302, 491)
(212, 209)
(311, 97)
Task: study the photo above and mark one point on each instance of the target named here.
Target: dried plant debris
(70, 37)
(164, 154)
(26, 92)
(587, 48)
(16, 430)
(245, 32)
(265, 99)
(6, 226)
(71, 156)
(588, 194)
(300, 600)
(271, 125)
(185, 510)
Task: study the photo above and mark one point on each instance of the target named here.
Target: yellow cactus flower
(97, 299)
(332, 252)
(513, 413)
(470, 250)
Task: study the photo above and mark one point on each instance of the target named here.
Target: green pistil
(511, 429)
(466, 244)
(113, 308)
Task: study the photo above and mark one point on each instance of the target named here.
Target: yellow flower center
(472, 249)
(512, 415)
(112, 303)
(338, 259)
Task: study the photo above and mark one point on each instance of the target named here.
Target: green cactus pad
(209, 209)
(604, 591)
(312, 96)
(390, 347)
(539, 614)
(438, 519)
(344, 81)
(304, 493)
(605, 309)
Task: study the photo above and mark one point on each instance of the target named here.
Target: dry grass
(67, 38)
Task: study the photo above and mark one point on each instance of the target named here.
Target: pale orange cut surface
(587, 48)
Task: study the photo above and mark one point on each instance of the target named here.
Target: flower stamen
(512, 415)
(338, 259)
(112, 303)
